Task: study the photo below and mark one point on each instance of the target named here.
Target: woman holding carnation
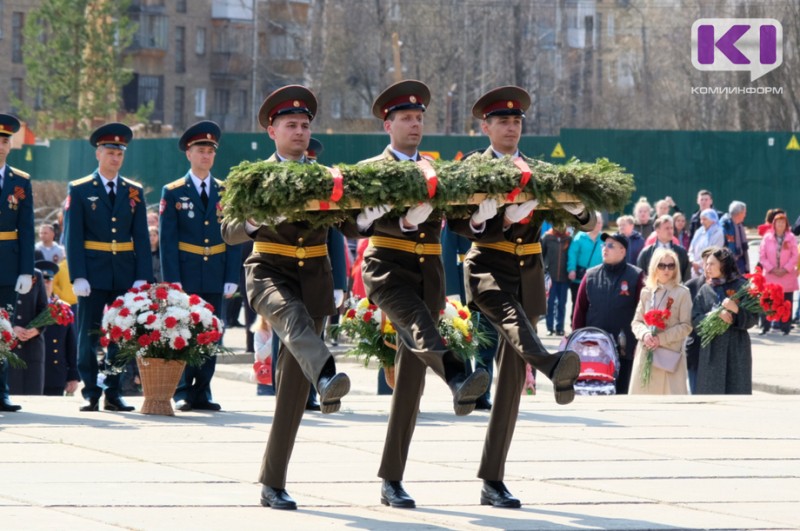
(778, 258)
(662, 291)
(726, 363)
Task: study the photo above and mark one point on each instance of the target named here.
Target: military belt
(518, 249)
(397, 244)
(112, 247)
(199, 249)
(312, 251)
(11, 235)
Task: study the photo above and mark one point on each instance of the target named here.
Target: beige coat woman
(662, 290)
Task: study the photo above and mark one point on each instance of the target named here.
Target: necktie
(203, 194)
(111, 194)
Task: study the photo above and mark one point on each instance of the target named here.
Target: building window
(199, 102)
(151, 88)
(282, 47)
(17, 23)
(200, 41)
(180, 6)
(151, 31)
(222, 100)
(180, 49)
(180, 96)
(228, 39)
(17, 95)
(241, 103)
(336, 108)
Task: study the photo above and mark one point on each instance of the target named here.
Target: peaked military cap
(502, 101)
(291, 99)
(48, 268)
(403, 95)
(8, 125)
(113, 135)
(315, 148)
(205, 133)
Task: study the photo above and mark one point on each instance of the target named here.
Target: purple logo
(726, 44)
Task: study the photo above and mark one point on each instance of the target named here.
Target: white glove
(229, 289)
(278, 220)
(516, 213)
(576, 209)
(368, 216)
(418, 214)
(338, 297)
(138, 284)
(24, 284)
(81, 287)
(487, 209)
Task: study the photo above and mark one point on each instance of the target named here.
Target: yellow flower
(363, 303)
(461, 325)
(388, 328)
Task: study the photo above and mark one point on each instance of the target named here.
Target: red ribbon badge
(338, 188)
(430, 176)
(523, 180)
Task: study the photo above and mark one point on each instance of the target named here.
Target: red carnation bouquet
(8, 342)
(755, 296)
(657, 321)
(162, 321)
(57, 312)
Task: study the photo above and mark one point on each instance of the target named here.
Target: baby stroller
(599, 360)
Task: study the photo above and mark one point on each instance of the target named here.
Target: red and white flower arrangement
(162, 321)
(8, 341)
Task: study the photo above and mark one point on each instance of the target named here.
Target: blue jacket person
(108, 248)
(16, 237)
(193, 253)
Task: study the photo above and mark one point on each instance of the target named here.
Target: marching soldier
(193, 253)
(505, 282)
(108, 248)
(403, 275)
(16, 237)
(289, 283)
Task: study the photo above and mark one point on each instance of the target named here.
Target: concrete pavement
(713, 462)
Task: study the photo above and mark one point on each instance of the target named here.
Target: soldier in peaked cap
(505, 282)
(289, 283)
(403, 275)
(16, 237)
(315, 149)
(108, 248)
(193, 253)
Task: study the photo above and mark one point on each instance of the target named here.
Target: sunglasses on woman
(670, 266)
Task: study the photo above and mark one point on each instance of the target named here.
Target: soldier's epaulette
(17, 171)
(133, 183)
(472, 153)
(176, 183)
(219, 182)
(82, 180)
(377, 158)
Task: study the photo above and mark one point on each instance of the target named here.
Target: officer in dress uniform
(108, 248)
(289, 283)
(16, 238)
(193, 253)
(505, 282)
(403, 276)
(61, 343)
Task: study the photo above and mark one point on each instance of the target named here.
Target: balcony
(151, 34)
(230, 65)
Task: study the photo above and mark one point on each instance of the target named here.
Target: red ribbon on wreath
(430, 176)
(523, 180)
(338, 188)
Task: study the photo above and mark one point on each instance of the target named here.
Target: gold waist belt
(409, 247)
(312, 251)
(12, 235)
(112, 247)
(518, 249)
(203, 251)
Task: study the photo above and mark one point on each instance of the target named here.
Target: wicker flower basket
(159, 377)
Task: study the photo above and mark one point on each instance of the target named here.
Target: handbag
(666, 359)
